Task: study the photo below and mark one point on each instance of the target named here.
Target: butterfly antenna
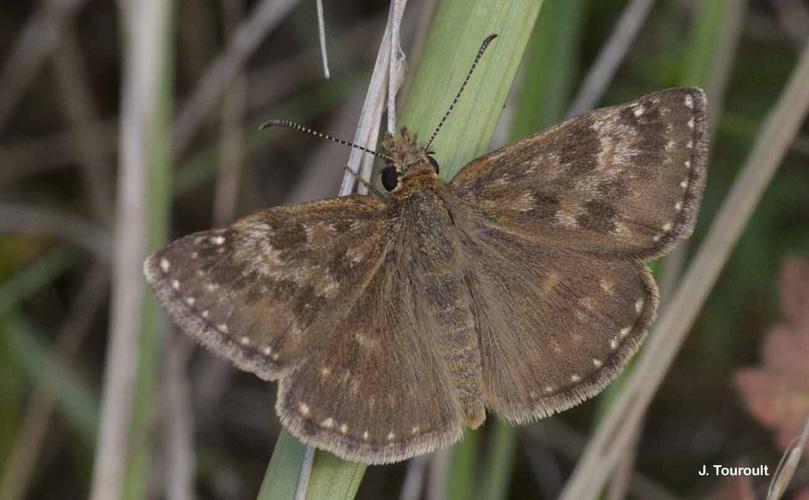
(295, 126)
(481, 50)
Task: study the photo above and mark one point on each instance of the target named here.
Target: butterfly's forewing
(315, 295)
(618, 182)
(558, 225)
(262, 291)
(379, 390)
(555, 325)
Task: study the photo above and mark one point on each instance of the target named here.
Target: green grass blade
(281, 480)
(457, 30)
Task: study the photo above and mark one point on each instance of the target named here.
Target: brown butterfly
(519, 286)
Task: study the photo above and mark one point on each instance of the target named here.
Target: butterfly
(519, 287)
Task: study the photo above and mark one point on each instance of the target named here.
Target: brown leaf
(736, 488)
(777, 392)
(795, 290)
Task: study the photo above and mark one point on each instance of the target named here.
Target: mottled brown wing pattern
(376, 390)
(261, 291)
(555, 325)
(621, 182)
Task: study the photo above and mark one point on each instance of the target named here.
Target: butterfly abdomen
(435, 266)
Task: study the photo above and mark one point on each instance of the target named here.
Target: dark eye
(390, 178)
(433, 163)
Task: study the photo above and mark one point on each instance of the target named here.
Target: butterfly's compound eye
(433, 162)
(390, 178)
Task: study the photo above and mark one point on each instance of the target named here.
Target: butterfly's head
(408, 159)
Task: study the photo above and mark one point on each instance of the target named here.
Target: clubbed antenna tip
(481, 50)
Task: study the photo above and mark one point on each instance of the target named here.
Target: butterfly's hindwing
(555, 326)
(618, 182)
(376, 388)
(255, 292)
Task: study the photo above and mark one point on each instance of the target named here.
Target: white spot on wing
(574, 378)
(245, 341)
(365, 435)
(597, 363)
(175, 284)
(639, 110)
(217, 240)
(343, 428)
(328, 423)
(164, 264)
(689, 101)
(639, 305)
(303, 408)
(391, 435)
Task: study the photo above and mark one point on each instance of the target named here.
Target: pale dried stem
(233, 113)
(723, 59)
(414, 478)
(265, 87)
(672, 266)
(36, 41)
(372, 108)
(568, 442)
(306, 473)
(321, 31)
(396, 59)
(82, 115)
(36, 417)
(272, 82)
(367, 131)
(789, 465)
(609, 59)
(145, 28)
(32, 157)
(794, 17)
(612, 435)
(437, 480)
(262, 20)
(17, 218)
(179, 443)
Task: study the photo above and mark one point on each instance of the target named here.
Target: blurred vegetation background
(217, 69)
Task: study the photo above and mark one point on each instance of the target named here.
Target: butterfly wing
(258, 291)
(555, 325)
(309, 294)
(618, 182)
(377, 391)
